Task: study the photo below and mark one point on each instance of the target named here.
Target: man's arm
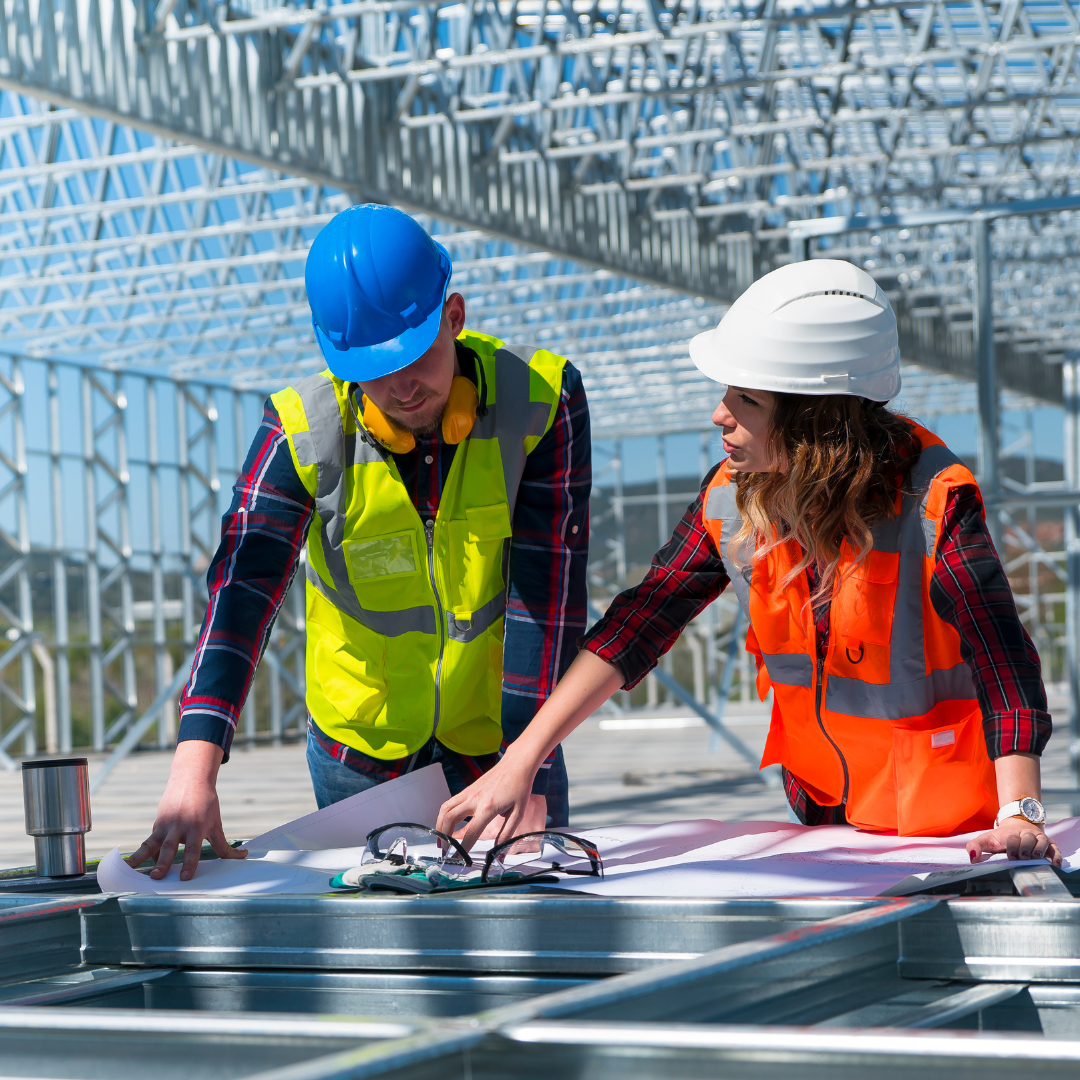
(546, 604)
(261, 538)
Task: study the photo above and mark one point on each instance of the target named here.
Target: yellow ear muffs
(458, 418)
(395, 439)
(460, 412)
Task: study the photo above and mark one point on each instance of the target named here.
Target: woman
(907, 696)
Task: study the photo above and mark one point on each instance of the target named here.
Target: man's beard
(418, 431)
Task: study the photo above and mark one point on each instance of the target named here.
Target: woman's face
(745, 416)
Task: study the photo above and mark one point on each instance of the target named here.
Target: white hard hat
(816, 327)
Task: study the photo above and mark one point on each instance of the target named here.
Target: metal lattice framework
(652, 153)
(607, 174)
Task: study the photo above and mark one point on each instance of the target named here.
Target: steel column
(989, 424)
(1070, 372)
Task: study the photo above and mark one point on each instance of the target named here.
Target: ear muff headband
(458, 418)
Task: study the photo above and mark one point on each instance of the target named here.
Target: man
(441, 482)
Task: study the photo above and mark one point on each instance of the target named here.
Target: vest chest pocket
(475, 563)
(863, 607)
(380, 557)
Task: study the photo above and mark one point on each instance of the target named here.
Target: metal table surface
(520, 984)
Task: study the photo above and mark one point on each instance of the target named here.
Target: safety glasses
(390, 848)
(404, 843)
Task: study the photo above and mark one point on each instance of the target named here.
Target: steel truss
(664, 143)
(540, 985)
(120, 476)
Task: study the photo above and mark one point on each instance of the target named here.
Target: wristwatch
(1028, 808)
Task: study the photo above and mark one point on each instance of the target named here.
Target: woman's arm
(1017, 778)
(970, 591)
(505, 790)
(641, 624)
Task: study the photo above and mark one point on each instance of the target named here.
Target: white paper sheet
(222, 877)
(770, 858)
(416, 796)
(302, 855)
(680, 858)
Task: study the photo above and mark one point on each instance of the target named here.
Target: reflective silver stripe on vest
(789, 669)
(932, 461)
(853, 697)
(325, 444)
(720, 506)
(419, 620)
(465, 630)
(514, 416)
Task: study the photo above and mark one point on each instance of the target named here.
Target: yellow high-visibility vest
(405, 623)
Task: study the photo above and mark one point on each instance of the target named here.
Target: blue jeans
(333, 780)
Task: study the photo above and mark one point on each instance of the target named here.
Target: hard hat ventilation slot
(829, 292)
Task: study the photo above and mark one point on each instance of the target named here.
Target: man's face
(414, 397)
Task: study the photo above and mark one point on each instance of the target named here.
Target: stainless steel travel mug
(56, 800)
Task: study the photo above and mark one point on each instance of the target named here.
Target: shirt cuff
(632, 664)
(205, 727)
(1022, 731)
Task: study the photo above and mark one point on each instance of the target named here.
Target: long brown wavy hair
(842, 461)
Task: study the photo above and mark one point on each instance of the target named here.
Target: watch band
(1028, 808)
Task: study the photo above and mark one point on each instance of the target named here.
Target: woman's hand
(502, 798)
(1016, 837)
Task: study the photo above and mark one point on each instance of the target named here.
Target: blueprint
(699, 858)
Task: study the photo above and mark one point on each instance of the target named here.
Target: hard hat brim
(881, 385)
(363, 363)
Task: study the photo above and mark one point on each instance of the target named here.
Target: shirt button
(574, 529)
(428, 460)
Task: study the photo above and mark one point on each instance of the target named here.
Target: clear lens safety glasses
(540, 853)
(404, 845)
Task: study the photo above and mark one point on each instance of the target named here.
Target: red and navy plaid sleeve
(546, 601)
(261, 538)
(970, 591)
(643, 622)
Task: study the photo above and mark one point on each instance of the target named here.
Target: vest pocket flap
(380, 556)
(488, 522)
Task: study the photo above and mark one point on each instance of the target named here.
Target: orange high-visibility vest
(887, 721)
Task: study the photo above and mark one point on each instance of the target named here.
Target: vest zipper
(429, 532)
(817, 710)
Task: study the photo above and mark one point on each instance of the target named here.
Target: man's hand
(1018, 838)
(188, 813)
(500, 803)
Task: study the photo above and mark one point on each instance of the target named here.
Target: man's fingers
(146, 850)
(221, 847)
(166, 854)
(192, 853)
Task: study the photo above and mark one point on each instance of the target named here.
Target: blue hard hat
(376, 283)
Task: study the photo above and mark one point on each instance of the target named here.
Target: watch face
(1033, 810)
